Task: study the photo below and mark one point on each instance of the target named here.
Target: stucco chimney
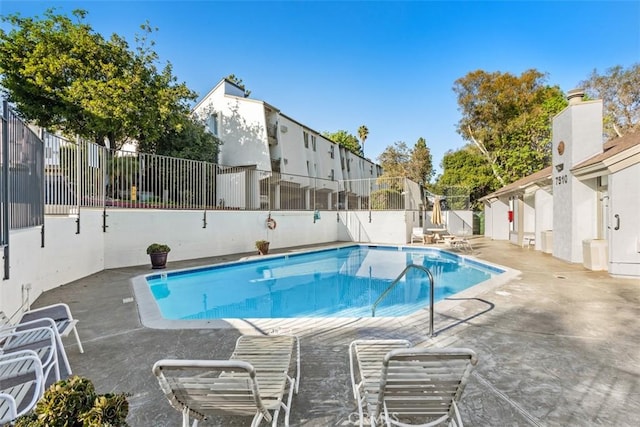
(575, 96)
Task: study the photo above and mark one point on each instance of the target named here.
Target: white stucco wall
(242, 127)
(579, 128)
(66, 256)
(459, 223)
(543, 214)
(529, 213)
(385, 226)
(226, 232)
(496, 221)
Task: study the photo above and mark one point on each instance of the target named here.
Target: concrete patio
(558, 346)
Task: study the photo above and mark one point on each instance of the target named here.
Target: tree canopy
(467, 168)
(395, 160)
(62, 75)
(190, 140)
(508, 118)
(420, 162)
(398, 160)
(363, 133)
(619, 90)
(346, 140)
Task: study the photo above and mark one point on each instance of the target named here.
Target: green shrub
(74, 403)
(155, 248)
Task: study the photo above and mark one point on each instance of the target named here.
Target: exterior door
(624, 227)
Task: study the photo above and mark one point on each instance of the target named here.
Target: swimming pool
(337, 282)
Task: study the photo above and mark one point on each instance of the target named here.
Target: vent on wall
(283, 129)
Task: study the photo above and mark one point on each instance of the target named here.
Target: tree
(190, 140)
(399, 161)
(61, 75)
(363, 133)
(345, 139)
(619, 90)
(420, 166)
(508, 118)
(238, 82)
(468, 168)
(395, 160)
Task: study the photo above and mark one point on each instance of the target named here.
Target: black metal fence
(21, 177)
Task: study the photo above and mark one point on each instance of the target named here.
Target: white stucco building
(585, 207)
(257, 134)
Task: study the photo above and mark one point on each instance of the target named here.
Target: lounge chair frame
(38, 324)
(408, 382)
(254, 381)
(23, 372)
(61, 315)
(43, 340)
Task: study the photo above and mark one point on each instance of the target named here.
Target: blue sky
(388, 65)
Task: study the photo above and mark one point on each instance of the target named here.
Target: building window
(313, 142)
(213, 124)
(332, 151)
(308, 169)
(342, 162)
(332, 176)
(305, 137)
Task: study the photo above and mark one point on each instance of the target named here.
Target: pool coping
(151, 317)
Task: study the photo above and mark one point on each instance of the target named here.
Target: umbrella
(436, 214)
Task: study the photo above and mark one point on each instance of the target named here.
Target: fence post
(5, 188)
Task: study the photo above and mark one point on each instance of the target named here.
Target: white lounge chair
(253, 382)
(39, 319)
(22, 382)
(42, 340)
(60, 313)
(457, 243)
(397, 382)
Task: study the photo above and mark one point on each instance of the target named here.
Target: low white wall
(131, 231)
(66, 256)
(385, 227)
(459, 223)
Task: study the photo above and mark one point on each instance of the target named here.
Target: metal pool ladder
(404, 272)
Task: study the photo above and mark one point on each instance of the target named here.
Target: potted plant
(262, 246)
(158, 254)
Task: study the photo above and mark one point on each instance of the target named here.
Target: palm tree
(363, 132)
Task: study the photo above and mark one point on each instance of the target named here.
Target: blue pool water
(342, 282)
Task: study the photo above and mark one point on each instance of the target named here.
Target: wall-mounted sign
(561, 148)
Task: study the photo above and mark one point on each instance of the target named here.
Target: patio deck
(558, 345)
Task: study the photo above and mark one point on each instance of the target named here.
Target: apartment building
(257, 134)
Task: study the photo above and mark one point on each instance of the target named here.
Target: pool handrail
(431, 292)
